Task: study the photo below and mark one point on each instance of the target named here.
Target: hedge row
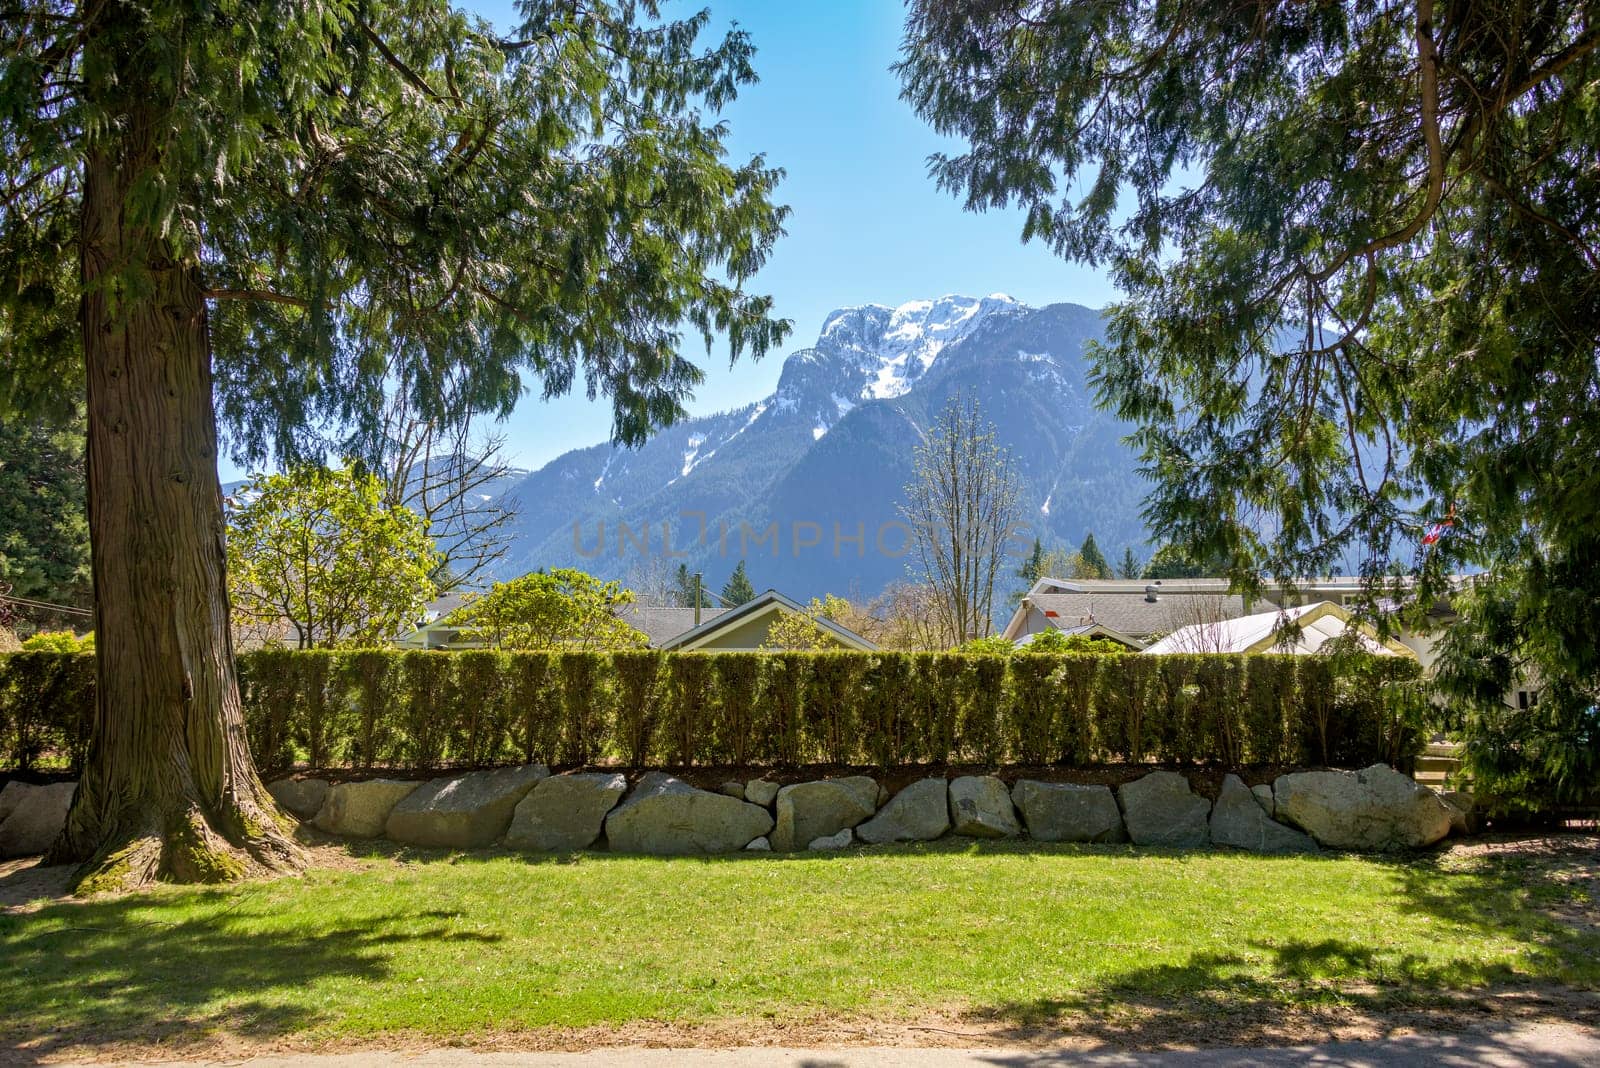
(433, 709)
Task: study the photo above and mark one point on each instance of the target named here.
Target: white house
(1303, 630)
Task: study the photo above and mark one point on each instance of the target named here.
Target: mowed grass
(465, 946)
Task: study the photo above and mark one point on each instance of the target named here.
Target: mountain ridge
(824, 458)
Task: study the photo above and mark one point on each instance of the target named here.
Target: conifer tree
(272, 213)
(738, 590)
(1094, 561)
(1360, 247)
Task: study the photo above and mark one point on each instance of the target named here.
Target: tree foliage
(1361, 250)
(688, 587)
(395, 194)
(44, 530)
(317, 553)
(1094, 562)
(563, 608)
(279, 214)
(803, 631)
(737, 590)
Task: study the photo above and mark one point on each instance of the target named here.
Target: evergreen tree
(1094, 561)
(684, 589)
(1029, 571)
(275, 214)
(1130, 568)
(1360, 247)
(44, 530)
(738, 590)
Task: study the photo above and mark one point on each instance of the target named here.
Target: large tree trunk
(170, 791)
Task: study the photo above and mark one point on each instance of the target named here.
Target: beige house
(743, 628)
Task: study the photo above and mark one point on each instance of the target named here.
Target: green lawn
(443, 947)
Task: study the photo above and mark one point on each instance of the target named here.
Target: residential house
(743, 628)
(1302, 630)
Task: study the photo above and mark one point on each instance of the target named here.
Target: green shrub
(832, 698)
(688, 714)
(376, 708)
(269, 685)
(737, 729)
(983, 699)
(638, 688)
(1033, 733)
(368, 677)
(888, 720)
(782, 700)
(534, 695)
(428, 698)
(586, 696)
(481, 729)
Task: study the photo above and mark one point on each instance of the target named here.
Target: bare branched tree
(962, 509)
(1198, 622)
(453, 475)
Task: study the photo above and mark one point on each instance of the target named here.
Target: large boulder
(1376, 808)
(980, 807)
(360, 809)
(1263, 792)
(11, 796)
(1068, 811)
(809, 810)
(302, 797)
(761, 792)
(666, 816)
(1239, 819)
(1160, 810)
(37, 815)
(565, 812)
(916, 814)
(463, 811)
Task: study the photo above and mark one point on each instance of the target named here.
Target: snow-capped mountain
(825, 457)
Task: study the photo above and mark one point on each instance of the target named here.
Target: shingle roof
(1132, 614)
(762, 602)
(660, 623)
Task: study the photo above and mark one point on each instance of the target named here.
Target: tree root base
(190, 851)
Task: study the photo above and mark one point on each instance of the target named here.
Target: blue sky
(867, 223)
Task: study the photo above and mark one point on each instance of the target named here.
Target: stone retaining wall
(526, 808)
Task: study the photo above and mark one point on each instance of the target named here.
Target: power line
(27, 602)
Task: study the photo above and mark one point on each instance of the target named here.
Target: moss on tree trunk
(169, 790)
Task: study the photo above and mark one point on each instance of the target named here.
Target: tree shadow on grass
(178, 970)
(1303, 990)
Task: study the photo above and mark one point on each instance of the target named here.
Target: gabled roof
(1088, 630)
(1128, 614)
(1263, 632)
(662, 623)
(769, 602)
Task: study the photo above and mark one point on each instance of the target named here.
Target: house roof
(769, 601)
(1088, 630)
(1121, 611)
(1318, 624)
(662, 623)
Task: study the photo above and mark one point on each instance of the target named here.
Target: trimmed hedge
(375, 708)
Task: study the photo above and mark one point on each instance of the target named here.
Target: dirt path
(1546, 1045)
